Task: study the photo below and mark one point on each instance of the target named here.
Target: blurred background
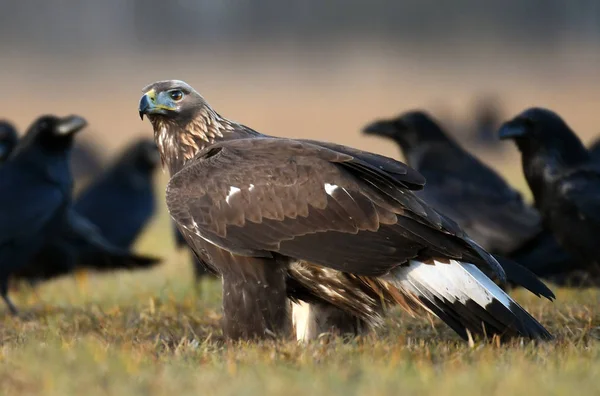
(313, 68)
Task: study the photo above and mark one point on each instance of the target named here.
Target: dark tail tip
(521, 276)
(528, 326)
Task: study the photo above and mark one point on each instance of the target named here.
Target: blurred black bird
(122, 201)
(35, 188)
(544, 256)
(487, 117)
(8, 139)
(461, 186)
(565, 183)
(86, 162)
(75, 243)
(339, 224)
(594, 150)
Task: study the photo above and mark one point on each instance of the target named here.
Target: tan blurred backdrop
(315, 69)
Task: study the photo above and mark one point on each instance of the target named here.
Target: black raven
(594, 150)
(486, 120)
(8, 140)
(319, 222)
(121, 202)
(35, 188)
(459, 185)
(77, 243)
(565, 183)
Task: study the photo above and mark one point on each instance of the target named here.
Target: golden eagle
(336, 228)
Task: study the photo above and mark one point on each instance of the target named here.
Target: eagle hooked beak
(150, 104)
(145, 106)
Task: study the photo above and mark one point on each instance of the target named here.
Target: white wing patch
(330, 188)
(453, 282)
(232, 191)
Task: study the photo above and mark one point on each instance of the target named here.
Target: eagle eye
(176, 95)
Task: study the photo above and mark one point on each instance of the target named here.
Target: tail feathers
(521, 276)
(466, 300)
(490, 259)
(50, 264)
(105, 261)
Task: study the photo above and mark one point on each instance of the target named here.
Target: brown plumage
(317, 222)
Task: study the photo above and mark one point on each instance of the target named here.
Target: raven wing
(27, 203)
(265, 196)
(544, 256)
(579, 192)
(478, 199)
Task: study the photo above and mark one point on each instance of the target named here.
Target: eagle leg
(255, 303)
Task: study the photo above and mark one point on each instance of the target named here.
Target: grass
(154, 333)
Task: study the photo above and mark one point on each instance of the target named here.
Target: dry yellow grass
(153, 333)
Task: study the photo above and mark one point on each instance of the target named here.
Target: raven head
(539, 132)
(408, 130)
(52, 133)
(8, 139)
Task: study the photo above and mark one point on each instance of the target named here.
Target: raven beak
(379, 128)
(71, 124)
(512, 129)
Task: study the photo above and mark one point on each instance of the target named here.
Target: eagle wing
(266, 196)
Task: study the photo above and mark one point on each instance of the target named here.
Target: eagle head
(170, 100)
(183, 122)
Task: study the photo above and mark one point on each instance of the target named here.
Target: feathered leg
(255, 303)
